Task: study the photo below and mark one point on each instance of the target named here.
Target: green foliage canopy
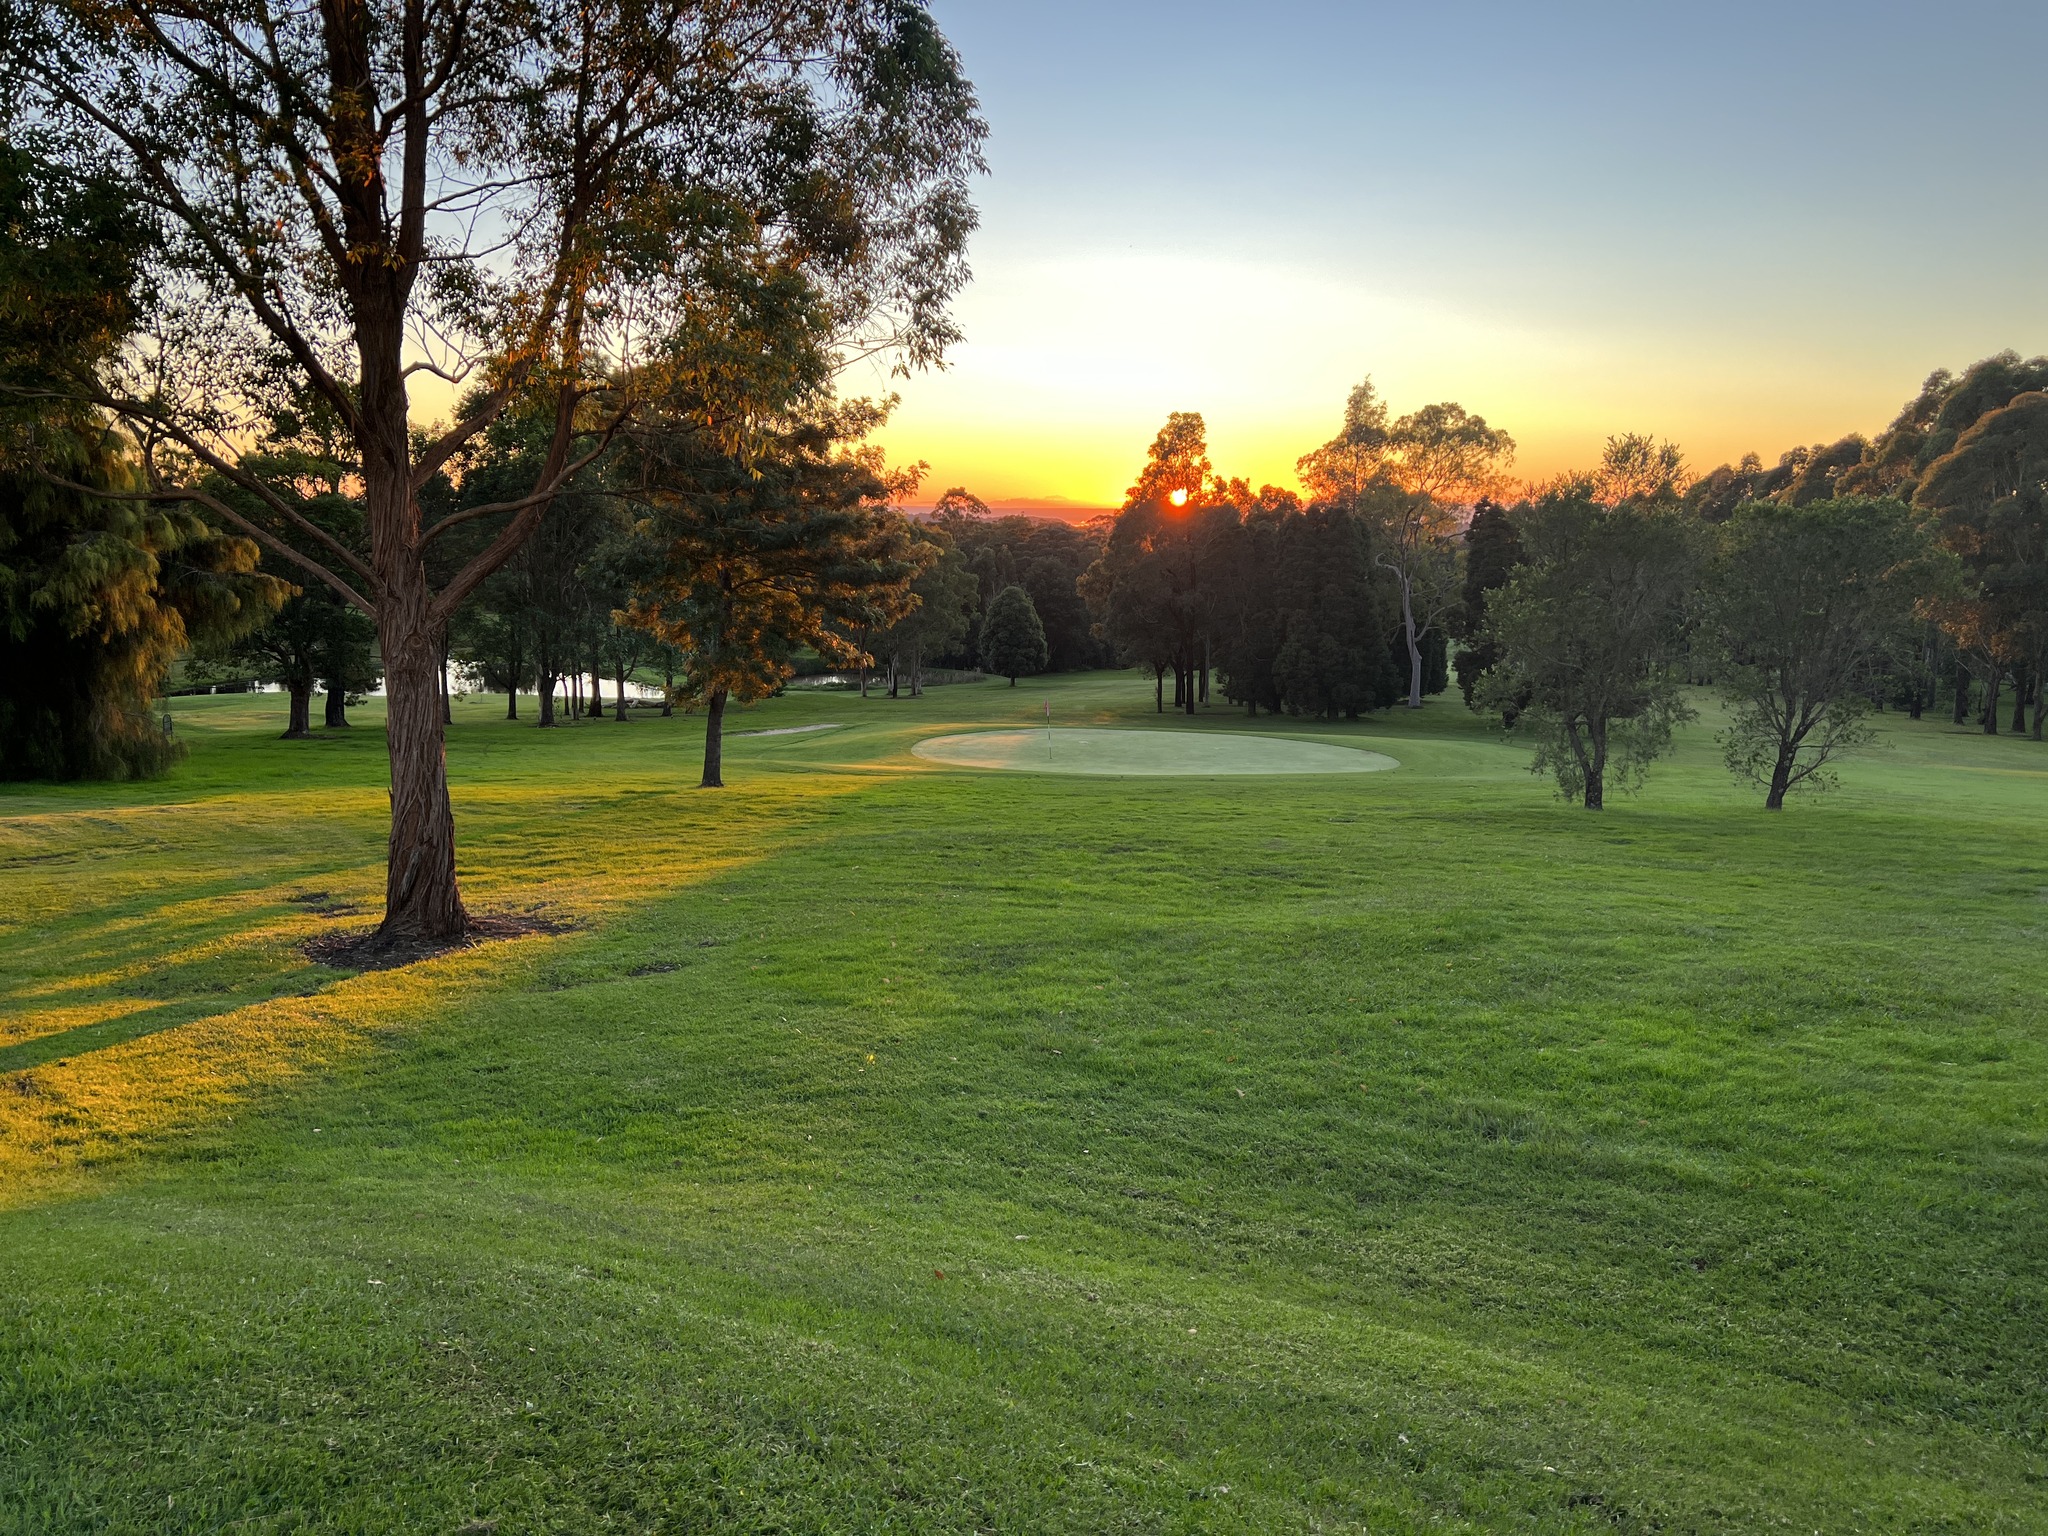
(1806, 605)
(1012, 639)
(1591, 632)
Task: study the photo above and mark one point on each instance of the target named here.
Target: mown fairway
(899, 1148)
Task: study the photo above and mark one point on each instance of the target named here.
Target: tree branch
(255, 530)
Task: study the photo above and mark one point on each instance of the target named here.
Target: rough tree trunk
(447, 693)
(337, 709)
(512, 660)
(2019, 704)
(714, 741)
(1592, 755)
(1991, 700)
(421, 898)
(1159, 689)
(596, 691)
(302, 712)
(917, 670)
(546, 684)
(1781, 780)
(621, 715)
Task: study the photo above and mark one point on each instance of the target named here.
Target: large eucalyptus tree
(577, 209)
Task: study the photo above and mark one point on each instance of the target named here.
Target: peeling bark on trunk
(714, 741)
(301, 723)
(421, 898)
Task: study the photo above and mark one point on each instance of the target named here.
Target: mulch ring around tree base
(358, 949)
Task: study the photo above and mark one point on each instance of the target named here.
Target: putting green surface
(1126, 753)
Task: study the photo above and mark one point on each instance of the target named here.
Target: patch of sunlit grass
(65, 1116)
(35, 1023)
(574, 857)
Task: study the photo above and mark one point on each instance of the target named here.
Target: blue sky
(1736, 226)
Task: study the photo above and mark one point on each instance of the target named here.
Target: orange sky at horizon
(1740, 227)
(1044, 414)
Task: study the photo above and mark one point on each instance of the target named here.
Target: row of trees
(1332, 608)
(1850, 576)
(559, 619)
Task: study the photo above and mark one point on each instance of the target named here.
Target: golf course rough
(1128, 753)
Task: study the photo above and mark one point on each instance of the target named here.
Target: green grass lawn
(899, 1148)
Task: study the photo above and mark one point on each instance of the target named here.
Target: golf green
(1120, 753)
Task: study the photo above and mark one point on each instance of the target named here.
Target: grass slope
(903, 1149)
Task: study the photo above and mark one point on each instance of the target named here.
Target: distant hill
(1050, 509)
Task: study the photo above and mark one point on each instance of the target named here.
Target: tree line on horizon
(1872, 572)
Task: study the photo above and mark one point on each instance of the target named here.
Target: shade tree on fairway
(1806, 607)
(579, 209)
(313, 638)
(794, 544)
(1590, 632)
(1012, 639)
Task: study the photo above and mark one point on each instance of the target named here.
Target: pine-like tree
(1012, 639)
(794, 545)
